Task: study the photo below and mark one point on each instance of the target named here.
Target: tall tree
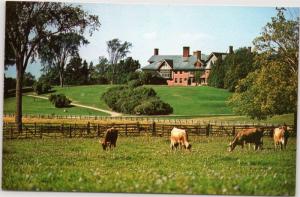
(28, 23)
(238, 65)
(217, 74)
(57, 51)
(272, 89)
(116, 51)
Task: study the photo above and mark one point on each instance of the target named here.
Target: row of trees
(265, 83)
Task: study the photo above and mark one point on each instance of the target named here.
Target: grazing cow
(280, 136)
(179, 137)
(110, 138)
(249, 135)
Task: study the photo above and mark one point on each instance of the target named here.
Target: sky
(169, 28)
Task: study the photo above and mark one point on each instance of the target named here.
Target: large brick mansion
(180, 69)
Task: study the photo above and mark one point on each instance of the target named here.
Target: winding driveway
(113, 114)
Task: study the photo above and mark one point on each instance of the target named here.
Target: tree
(238, 65)
(57, 51)
(28, 23)
(272, 88)
(116, 51)
(217, 74)
(28, 79)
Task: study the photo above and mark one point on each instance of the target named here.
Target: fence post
(11, 132)
(88, 129)
(126, 129)
(41, 131)
(153, 129)
(70, 131)
(233, 130)
(62, 129)
(207, 129)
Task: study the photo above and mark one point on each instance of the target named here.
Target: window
(180, 80)
(165, 73)
(175, 72)
(184, 79)
(175, 80)
(180, 72)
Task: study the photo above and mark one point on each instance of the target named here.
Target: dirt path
(113, 114)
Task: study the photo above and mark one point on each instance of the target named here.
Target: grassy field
(205, 103)
(146, 164)
(184, 100)
(41, 106)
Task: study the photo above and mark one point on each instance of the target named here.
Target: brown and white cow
(110, 138)
(179, 137)
(280, 136)
(249, 135)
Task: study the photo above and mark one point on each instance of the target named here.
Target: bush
(41, 87)
(153, 107)
(59, 100)
(134, 83)
(139, 100)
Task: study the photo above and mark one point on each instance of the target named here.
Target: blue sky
(170, 27)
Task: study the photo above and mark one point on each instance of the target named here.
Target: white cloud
(150, 35)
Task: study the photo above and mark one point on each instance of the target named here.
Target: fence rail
(173, 120)
(93, 130)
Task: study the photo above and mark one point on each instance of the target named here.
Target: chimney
(197, 54)
(249, 49)
(156, 51)
(230, 49)
(186, 52)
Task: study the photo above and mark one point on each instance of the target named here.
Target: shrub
(134, 83)
(153, 107)
(139, 100)
(59, 100)
(41, 87)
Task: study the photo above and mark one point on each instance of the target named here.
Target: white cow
(179, 137)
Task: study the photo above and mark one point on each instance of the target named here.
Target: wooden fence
(92, 130)
(176, 120)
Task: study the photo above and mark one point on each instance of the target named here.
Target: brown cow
(249, 135)
(110, 138)
(280, 136)
(179, 138)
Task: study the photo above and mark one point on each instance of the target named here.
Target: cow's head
(230, 147)
(189, 147)
(104, 145)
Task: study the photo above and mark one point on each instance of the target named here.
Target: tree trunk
(19, 86)
(61, 79)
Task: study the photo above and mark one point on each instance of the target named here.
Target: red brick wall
(183, 75)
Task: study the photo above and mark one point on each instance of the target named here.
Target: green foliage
(153, 107)
(134, 83)
(41, 87)
(272, 89)
(28, 79)
(238, 65)
(152, 77)
(147, 165)
(59, 100)
(127, 99)
(217, 74)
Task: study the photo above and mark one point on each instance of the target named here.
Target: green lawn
(44, 107)
(147, 165)
(184, 100)
(205, 102)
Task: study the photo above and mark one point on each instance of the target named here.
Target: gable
(165, 66)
